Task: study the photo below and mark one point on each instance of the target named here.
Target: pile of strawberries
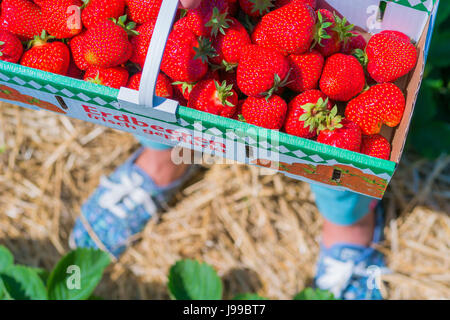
(279, 64)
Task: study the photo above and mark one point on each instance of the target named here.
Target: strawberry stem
(277, 85)
(128, 27)
(321, 30)
(204, 50)
(219, 22)
(262, 6)
(224, 91)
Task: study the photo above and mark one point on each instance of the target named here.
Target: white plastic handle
(155, 51)
(145, 98)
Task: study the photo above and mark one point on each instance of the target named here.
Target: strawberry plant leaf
(191, 280)
(6, 258)
(248, 296)
(4, 294)
(22, 283)
(314, 294)
(77, 274)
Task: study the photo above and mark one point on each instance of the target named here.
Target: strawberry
(357, 41)
(261, 71)
(381, 104)
(280, 3)
(229, 45)
(47, 56)
(186, 56)
(10, 47)
(342, 77)
(209, 18)
(376, 146)
(342, 134)
(306, 70)
(212, 97)
(390, 56)
(77, 48)
(290, 28)
(58, 18)
(183, 88)
(163, 86)
(238, 114)
(260, 38)
(96, 11)
(114, 77)
(256, 8)
(142, 11)
(332, 32)
(267, 113)
(306, 112)
(21, 17)
(233, 6)
(398, 34)
(106, 45)
(73, 71)
(141, 42)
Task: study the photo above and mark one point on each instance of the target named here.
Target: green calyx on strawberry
(321, 30)
(128, 27)
(39, 40)
(261, 7)
(319, 117)
(95, 80)
(343, 28)
(224, 91)
(184, 86)
(219, 22)
(361, 56)
(278, 84)
(204, 51)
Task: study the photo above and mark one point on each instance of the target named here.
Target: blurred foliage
(430, 130)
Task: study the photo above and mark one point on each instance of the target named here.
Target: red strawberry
(256, 8)
(261, 71)
(209, 18)
(96, 11)
(398, 34)
(212, 97)
(260, 38)
(291, 28)
(106, 45)
(47, 56)
(141, 42)
(353, 43)
(306, 113)
(77, 48)
(332, 32)
(382, 103)
(21, 17)
(280, 3)
(390, 57)
(115, 77)
(59, 18)
(342, 134)
(267, 113)
(238, 114)
(73, 71)
(10, 47)
(342, 77)
(306, 70)
(376, 146)
(233, 6)
(229, 46)
(142, 11)
(186, 56)
(163, 86)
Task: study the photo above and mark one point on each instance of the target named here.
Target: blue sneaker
(352, 272)
(121, 207)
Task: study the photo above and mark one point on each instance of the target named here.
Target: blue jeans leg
(342, 207)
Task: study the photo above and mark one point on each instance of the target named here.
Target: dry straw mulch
(260, 232)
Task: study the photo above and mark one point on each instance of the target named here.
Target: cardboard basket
(164, 121)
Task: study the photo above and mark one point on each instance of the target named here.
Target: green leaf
(22, 283)
(314, 294)
(42, 273)
(431, 140)
(6, 258)
(248, 296)
(190, 280)
(77, 274)
(4, 294)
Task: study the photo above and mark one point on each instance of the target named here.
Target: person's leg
(347, 264)
(124, 202)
